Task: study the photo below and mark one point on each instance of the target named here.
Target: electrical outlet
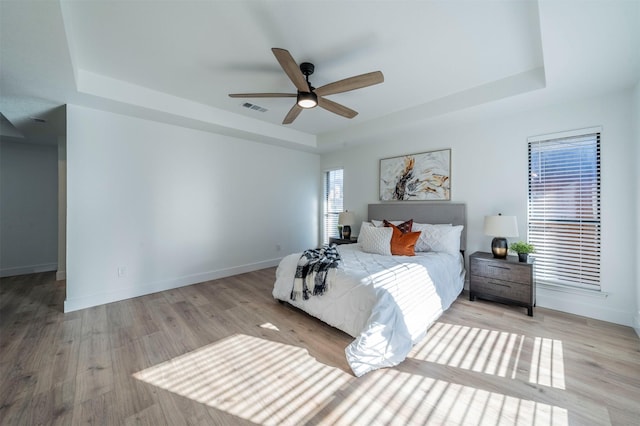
(122, 271)
(278, 248)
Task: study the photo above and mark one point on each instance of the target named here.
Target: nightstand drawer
(503, 289)
(501, 270)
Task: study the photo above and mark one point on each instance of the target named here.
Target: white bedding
(385, 302)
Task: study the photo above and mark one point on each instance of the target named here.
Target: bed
(387, 302)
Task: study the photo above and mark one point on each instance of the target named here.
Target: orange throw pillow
(403, 244)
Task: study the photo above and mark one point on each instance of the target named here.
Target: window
(564, 208)
(333, 203)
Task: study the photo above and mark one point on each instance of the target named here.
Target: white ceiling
(176, 61)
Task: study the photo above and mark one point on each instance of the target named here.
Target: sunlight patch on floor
(470, 348)
(493, 352)
(256, 379)
(403, 398)
(267, 382)
(269, 326)
(547, 366)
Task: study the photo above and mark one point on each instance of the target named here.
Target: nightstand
(502, 280)
(338, 241)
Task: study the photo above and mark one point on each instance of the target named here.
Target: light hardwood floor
(224, 352)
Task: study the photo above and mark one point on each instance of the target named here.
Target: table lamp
(346, 219)
(500, 227)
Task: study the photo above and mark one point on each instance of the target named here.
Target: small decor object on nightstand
(346, 219)
(500, 227)
(523, 249)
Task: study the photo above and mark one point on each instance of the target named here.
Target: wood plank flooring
(224, 353)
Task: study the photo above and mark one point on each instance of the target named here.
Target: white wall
(636, 119)
(61, 273)
(28, 207)
(489, 174)
(152, 206)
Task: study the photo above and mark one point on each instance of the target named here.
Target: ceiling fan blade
(292, 114)
(262, 95)
(336, 108)
(292, 69)
(351, 83)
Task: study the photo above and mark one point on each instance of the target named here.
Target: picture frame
(416, 177)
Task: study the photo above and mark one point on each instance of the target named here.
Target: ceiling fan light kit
(308, 96)
(307, 99)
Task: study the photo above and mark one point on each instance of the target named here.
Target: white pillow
(444, 238)
(363, 224)
(375, 240)
(429, 235)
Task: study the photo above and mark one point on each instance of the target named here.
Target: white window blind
(333, 203)
(564, 209)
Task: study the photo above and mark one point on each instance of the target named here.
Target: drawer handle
(500, 284)
(499, 267)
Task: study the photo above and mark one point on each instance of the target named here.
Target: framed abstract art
(416, 177)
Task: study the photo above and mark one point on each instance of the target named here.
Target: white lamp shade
(501, 226)
(346, 218)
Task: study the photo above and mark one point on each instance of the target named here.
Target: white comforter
(385, 302)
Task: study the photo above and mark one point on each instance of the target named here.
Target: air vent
(254, 107)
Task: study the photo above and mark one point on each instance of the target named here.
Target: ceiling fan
(308, 96)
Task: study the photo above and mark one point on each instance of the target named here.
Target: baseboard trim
(29, 269)
(636, 324)
(89, 301)
(61, 275)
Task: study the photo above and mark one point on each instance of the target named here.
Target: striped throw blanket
(313, 267)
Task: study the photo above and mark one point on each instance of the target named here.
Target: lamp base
(346, 232)
(499, 247)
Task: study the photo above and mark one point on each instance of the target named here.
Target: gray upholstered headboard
(454, 213)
